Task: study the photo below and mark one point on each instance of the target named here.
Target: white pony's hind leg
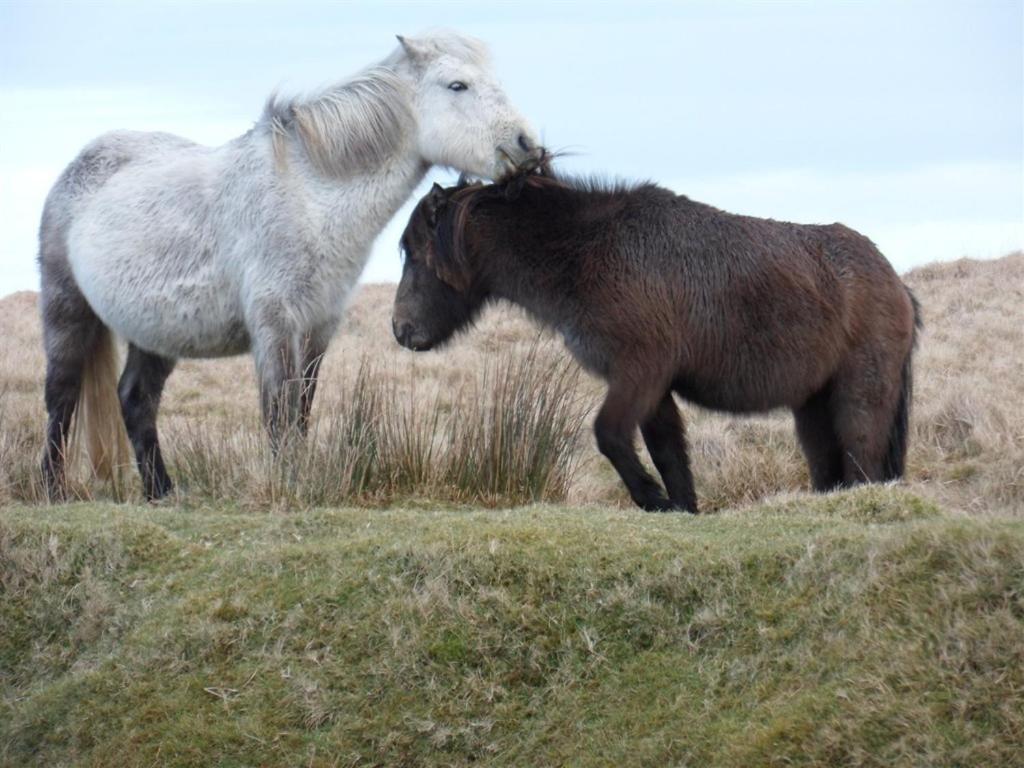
(139, 390)
(80, 352)
(71, 332)
(80, 373)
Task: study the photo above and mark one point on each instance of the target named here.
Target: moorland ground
(966, 447)
(436, 621)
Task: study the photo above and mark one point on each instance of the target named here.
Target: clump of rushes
(509, 437)
(517, 437)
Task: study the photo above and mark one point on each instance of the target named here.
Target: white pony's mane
(355, 125)
(349, 127)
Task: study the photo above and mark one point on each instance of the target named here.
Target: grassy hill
(863, 628)
(269, 619)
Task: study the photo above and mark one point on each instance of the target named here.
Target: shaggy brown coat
(657, 293)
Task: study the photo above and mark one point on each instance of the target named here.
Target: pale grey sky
(904, 120)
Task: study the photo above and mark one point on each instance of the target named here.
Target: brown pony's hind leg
(615, 428)
(819, 441)
(864, 406)
(665, 437)
(140, 388)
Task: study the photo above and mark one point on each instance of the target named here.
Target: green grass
(862, 628)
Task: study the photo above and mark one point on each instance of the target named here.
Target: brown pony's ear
(436, 201)
(437, 195)
(446, 256)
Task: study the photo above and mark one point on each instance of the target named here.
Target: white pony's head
(464, 119)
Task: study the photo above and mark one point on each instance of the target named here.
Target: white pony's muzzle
(512, 157)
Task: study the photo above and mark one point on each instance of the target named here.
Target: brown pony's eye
(458, 85)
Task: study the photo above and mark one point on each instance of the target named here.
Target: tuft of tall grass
(516, 437)
(20, 450)
(510, 437)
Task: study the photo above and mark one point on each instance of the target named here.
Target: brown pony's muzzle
(405, 335)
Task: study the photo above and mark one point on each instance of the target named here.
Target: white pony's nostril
(524, 143)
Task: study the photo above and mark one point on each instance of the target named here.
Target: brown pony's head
(434, 297)
(440, 292)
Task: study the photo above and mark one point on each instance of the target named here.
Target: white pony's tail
(98, 427)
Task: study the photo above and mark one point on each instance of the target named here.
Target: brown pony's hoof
(660, 505)
(665, 505)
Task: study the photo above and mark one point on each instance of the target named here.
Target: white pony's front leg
(278, 352)
(313, 347)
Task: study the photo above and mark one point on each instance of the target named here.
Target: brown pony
(657, 293)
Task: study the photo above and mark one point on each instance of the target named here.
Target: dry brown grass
(967, 447)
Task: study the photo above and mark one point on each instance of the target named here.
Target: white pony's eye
(457, 85)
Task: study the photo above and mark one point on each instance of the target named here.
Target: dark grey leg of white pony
(313, 348)
(71, 331)
(140, 388)
(278, 355)
(287, 367)
(280, 390)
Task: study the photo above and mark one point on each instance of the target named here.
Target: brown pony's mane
(448, 258)
(446, 212)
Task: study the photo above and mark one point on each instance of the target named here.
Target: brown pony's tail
(98, 426)
(895, 457)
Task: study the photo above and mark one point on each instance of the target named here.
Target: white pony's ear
(414, 49)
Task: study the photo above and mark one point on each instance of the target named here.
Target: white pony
(192, 251)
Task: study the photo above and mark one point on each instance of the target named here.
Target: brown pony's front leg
(665, 437)
(615, 428)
